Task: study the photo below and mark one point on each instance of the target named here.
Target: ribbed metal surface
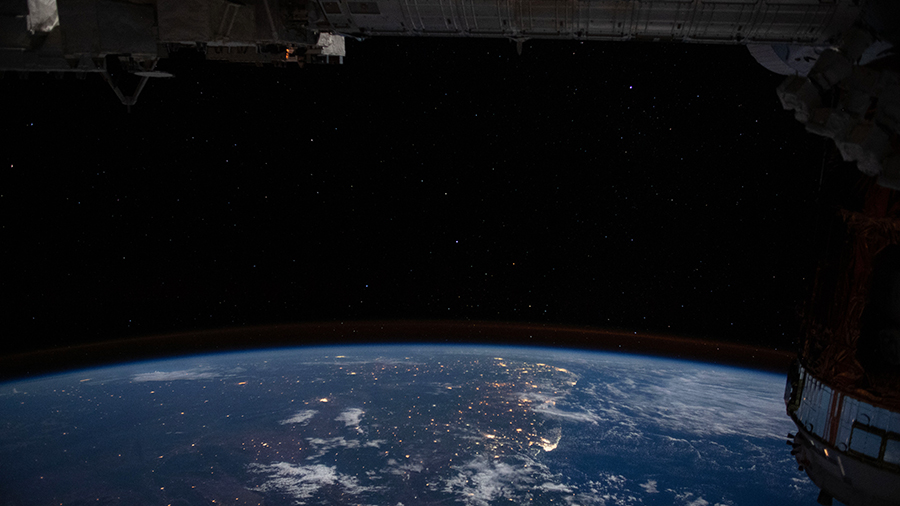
(706, 21)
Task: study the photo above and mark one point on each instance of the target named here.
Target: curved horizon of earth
(401, 425)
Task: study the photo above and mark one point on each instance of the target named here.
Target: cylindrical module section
(850, 448)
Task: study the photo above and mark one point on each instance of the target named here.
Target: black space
(647, 188)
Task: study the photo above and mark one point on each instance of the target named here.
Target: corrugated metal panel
(845, 424)
(892, 451)
(712, 21)
(865, 442)
(126, 27)
(183, 20)
(797, 2)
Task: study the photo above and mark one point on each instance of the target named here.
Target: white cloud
(555, 487)
(323, 446)
(173, 375)
(650, 487)
(300, 417)
(335, 442)
(711, 402)
(687, 497)
(350, 417)
(583, 416)
(609, 490)
(483, 481)
(480, 482)
(705, 401)
(302, 482)
(405, 469)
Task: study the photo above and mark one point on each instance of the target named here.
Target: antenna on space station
(519, 43)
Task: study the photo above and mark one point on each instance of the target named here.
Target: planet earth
(400, 425)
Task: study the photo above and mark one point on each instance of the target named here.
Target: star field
(633, 186)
